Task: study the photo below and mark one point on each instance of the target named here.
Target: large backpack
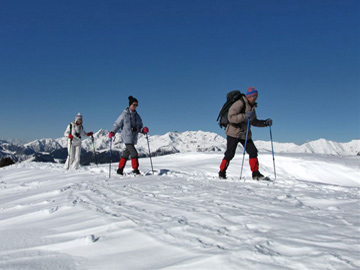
(231, 97)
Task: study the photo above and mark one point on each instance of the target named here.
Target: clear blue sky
(179, 59)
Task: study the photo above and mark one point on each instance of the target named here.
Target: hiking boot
(136, 171)
(120, 171)
(257, 175)
(222, 174)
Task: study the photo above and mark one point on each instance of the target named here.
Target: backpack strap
(242, 111)
(244, 106)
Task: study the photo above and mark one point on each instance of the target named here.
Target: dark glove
(145, 130)
(268, 122)
(249, 114)
(71, 136)
(90, 133)
(111, 134)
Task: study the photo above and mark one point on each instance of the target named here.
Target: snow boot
(122, 164)
(135, 165)
(222, 174)
(223, 166)
(136, 172)
(257, 175)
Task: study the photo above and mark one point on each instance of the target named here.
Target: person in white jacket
(74, 132)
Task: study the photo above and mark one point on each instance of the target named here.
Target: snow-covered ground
(183, 217)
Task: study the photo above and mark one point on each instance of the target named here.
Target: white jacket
(77, 131)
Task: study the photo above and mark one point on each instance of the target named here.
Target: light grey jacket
(238, 121)
(130, 124)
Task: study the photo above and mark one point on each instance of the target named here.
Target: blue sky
(179, 59)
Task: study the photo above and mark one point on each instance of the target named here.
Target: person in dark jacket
(130, 124)
(236, 132)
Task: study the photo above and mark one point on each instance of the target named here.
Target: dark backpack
(231, 97)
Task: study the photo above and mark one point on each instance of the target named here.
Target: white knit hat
(78, 116)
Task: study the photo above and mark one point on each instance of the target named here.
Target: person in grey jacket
(236, 132)
(130, 124)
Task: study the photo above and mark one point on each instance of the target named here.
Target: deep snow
(183, 217)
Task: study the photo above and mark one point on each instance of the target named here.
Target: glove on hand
(70, 136)
(90, 133)
(268, 122)
(145, 130)
(111, 134)
(249, 114)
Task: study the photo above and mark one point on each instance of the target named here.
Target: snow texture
(183, 216)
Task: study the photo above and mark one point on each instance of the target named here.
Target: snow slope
(182, 217)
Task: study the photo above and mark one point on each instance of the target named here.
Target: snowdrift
(183, 216)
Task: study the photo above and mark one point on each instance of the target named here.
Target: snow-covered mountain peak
(44, 145)
(176, 142)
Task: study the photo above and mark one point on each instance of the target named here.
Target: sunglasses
(135, 104)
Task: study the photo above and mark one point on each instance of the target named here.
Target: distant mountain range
(54, 150)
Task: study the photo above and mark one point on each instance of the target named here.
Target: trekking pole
(92, 139)
(152, 168)
(247, 131)
(69, 155)
(110, 157)
(272, 148)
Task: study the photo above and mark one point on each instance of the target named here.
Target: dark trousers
(232, 145)
(130, 150)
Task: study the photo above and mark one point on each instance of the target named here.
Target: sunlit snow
(183, 217)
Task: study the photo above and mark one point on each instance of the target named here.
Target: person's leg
(124, 157)
(253, 160)
(134, 158)
(76, 153)
(231, 144)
